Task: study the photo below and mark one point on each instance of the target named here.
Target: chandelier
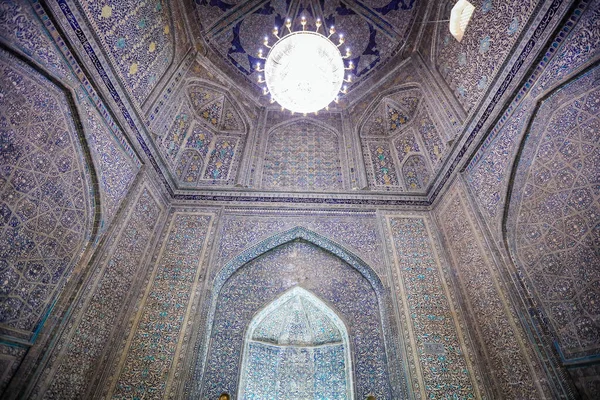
(304, 70)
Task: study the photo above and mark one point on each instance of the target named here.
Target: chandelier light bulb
(304, 70)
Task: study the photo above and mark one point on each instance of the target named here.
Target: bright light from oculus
(304, 70)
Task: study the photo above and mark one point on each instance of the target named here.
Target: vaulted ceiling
(400, 132)
(374, 29)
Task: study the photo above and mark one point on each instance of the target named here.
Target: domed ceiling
(374, 29)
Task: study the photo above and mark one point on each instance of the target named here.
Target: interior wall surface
(114, 286)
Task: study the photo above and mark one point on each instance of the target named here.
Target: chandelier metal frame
(283, 35)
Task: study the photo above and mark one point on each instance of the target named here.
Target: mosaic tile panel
(211, 112)
(214, 107)
(19, 26)
(488, 172)
(415, 173)
(116, 170)
(408, 100)
(405, 133)
(302, 156)
(45, 198)
(151, 352)
(191, 160)
(583, 45)
(446, 372)
(383, 170)
(555, 211)
(288, 356)
(205, 137)
(392, 114)
(295, 373)
(356, 232)
(397, 118)
(431, 137)
(489, 310)
(469, 66)
(199, 139)
(200, 95)
(78, 353)
(303, 264)
(230, 118)
(405, 144)
(138, 38)
(486, 179)
(173, 139)
(222, 157)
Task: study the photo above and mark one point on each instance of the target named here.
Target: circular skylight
(304, 72)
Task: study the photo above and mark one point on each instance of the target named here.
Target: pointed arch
(288, 236)
(382, 311)
(268, 336)
(387, 95)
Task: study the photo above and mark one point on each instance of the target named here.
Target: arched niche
(296, 347)
(398, 124)
(552, 214)
(219, 372)
(50, 198)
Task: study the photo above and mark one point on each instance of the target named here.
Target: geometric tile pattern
(218, 167)
(400, 143)
(469, 66)
(263, 279)
(88, 337)
(115, 168)
(45, 198)
(192, 158)
(445, 371)
(296, 348)
(374, 30)
(152, 350)
(557, 208)
(203, 137)
(489, 172)
(302, 156)
(138, 38)
(431, 137)
(19, 26)
(415, 173)
(383, 171)
(358, 233)
(491, 317)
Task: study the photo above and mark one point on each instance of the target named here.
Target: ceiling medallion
(304, 70)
